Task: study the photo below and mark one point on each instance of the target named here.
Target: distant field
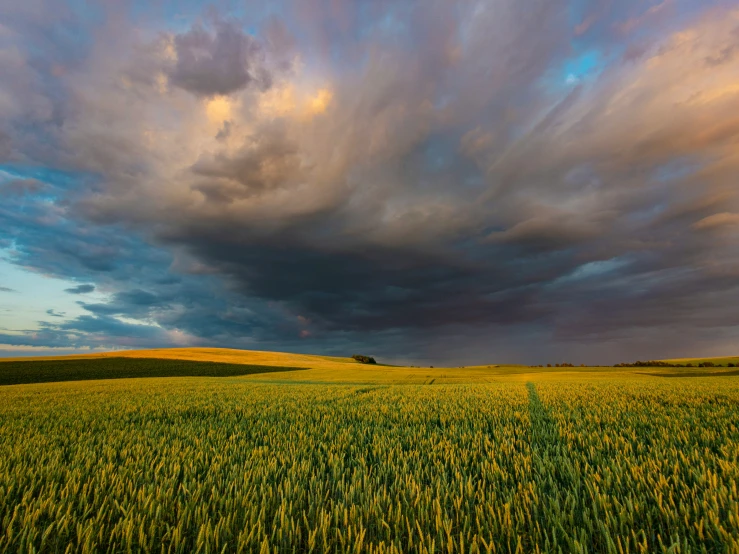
(287, 367)
(276, 452)
(53, 370)
(552, 463)
(221, 355)
(721, 361)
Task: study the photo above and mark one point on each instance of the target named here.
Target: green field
(18, 372)
(720, 361)
(586, 461)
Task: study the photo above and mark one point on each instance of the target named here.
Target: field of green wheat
(226, 464)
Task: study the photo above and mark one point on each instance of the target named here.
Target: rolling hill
(718, 361)
(289, 367)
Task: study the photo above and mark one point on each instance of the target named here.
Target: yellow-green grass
(556, 463)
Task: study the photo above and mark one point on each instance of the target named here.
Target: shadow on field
(695, 374)
(50, 371)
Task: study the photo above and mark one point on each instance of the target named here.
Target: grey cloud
(6, 289)
(89, 332)
(220, 62)
(548, 235)
(131, 303)
(268, 160)
(724, 56)
(81, 289)
(109, 327)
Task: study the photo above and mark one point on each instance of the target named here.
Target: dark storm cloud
(426, 179)
(81, 289)
(376, 289)
(219, 62)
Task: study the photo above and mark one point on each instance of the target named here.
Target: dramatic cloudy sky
(473, 181)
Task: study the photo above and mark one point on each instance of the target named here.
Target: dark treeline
(648, 363)
(564, 364)
(656, 363)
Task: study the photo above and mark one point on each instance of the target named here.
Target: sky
(448, 182)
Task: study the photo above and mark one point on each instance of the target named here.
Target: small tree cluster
(364, 359)
(648, 363)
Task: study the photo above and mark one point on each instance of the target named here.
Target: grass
(53, 370)
(339, 457)
(226, 464)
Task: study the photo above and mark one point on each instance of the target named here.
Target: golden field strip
(330, 369)
(341, 457)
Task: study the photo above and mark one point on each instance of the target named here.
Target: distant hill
(94, 368)
(305, 368)
(220, 355)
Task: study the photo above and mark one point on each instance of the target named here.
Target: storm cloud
(428, 180)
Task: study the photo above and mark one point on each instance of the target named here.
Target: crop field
(722, 361)
(546, 463)
(17, 372)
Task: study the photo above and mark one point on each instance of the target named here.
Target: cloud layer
(427, 180)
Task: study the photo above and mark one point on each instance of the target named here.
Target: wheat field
(308, 368)
(548, 462)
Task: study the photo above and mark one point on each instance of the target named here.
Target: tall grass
(167, 465)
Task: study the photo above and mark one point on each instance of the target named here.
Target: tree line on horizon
(657, 363)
